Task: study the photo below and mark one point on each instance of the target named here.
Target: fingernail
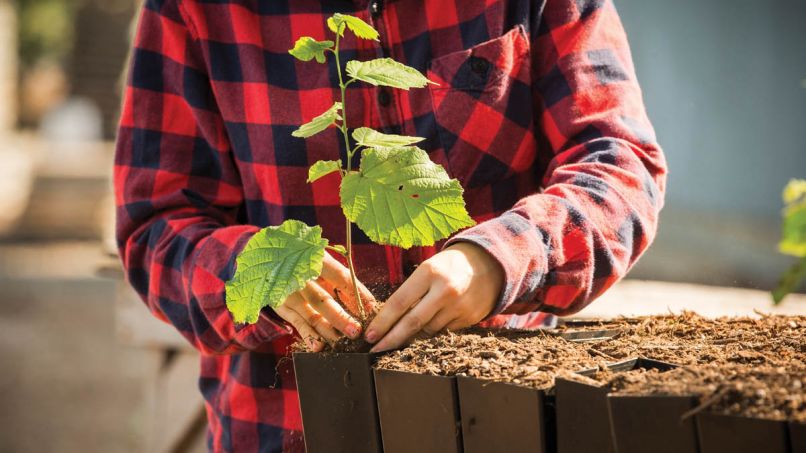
(353, 331)
(372, 336)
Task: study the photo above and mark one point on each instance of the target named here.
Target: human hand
(455, 288)
(314, 312)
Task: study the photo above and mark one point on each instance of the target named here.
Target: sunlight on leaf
(307, 48)
(371, 138)
(400, 197)
(276, 262)
(360, 28)
(793, 239)
(386, 72)
(322, 168)
(319, 123)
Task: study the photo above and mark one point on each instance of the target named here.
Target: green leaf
(320, 123)
(276, 262)
(307, 48)
(795, 191)
(400, 197)
(322, 168)
(371, 138)
(793, 238)
(360, 28)
(340, 249)
(789, 281)
(386, 72)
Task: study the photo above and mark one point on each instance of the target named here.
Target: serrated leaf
(371, 138)
(359, 28)
(276, 262)
(307, 48)
(400, 197)
(322, 168)
(386, 72)
(340, 249)
(319, 123)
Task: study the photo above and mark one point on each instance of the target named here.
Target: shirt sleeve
(178, 191)
(603, 189)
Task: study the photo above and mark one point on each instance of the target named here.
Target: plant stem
(348, 224)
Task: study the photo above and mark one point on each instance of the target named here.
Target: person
(537, 113)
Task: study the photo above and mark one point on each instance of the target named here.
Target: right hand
(314, 312)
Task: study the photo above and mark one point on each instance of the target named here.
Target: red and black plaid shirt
(538, 113)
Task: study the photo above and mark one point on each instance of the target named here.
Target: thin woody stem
(348, 224)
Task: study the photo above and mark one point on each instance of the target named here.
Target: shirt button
(384, 98)
(375, 8)
(409, 268)
(479, 65)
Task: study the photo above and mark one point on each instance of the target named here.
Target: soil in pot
(690, 339)
(503, 383)
(741, 408)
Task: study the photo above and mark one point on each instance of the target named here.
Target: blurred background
(85, 369)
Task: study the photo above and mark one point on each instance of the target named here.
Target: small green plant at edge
(397, 196)
(793, 240)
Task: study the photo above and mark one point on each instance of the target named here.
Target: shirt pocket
(483, 109)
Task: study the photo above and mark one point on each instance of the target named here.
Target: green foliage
(400, 197)
(320, 123)
(371, 138)
(360, 28)
(323, 168)
(46, 29)
(307, 48)
(276, 262)
(386, 72)
(789, 281)
(793, 240)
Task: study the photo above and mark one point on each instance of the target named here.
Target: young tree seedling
(397, 195)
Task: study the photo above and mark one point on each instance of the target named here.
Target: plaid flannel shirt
(538, 114)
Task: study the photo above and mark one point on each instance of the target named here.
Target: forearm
(603, 190)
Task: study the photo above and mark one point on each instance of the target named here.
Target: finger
(411, 291)
(303, 329)
(322, 302)
(439, 322)
(318, 322)
(340, 281)
(457, 324)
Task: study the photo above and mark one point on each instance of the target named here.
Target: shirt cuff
(520, 248)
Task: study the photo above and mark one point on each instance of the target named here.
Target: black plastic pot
(418, 413)
(730, 434)
(581, 336)
(337, 399)
(652, 423)
(797, 437)
(505, 417)
(583, 418)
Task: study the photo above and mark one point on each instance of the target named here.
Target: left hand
(455, 288)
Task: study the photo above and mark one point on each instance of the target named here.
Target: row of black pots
(346, 406)
(337, 395)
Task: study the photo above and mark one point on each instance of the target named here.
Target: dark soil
(531, 360)
(344, 344)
